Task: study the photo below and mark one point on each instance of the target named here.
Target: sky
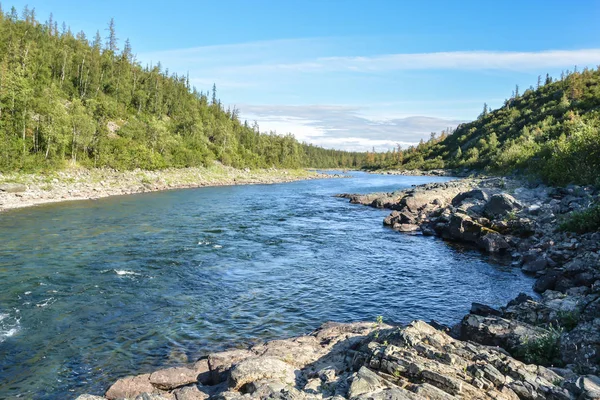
(350, 74)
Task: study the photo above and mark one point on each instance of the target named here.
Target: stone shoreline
(489, 354)
(19, 190)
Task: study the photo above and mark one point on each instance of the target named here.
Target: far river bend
(91, 291)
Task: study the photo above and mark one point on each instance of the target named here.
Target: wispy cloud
(345, 127)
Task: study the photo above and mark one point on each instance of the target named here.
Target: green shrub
(544, 350)
(584, 221)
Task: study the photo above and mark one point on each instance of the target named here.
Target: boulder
(484, 310)
(365, 381)
(501, 204)
(190, 393)
(89, 397)
(537, 265)
(406, 227)
(154, 396)
(203, 371)
(588, 387)
(493, 242)
(298, 352)
(581, 346)
(261, 368)
(476, 194)
(495, 331)
(172, 378)
(131, 386)
(221, 363)
(546, 282)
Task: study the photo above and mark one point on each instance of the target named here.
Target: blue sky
(351, 74)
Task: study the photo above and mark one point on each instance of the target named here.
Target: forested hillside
(65, 99)
(552, 131)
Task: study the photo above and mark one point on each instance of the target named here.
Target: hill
(67, 100)
(551, 132)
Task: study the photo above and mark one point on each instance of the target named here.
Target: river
(91, 291)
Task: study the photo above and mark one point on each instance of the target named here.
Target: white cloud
(344, 127)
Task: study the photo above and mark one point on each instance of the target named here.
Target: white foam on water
(203, 243)
(122, 272)
(217, 246)
(46, 302)
(8, 326)
(27, 293)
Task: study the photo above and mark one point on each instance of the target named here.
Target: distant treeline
(66, 99)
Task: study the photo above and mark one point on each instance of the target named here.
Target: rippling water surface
(94, 290)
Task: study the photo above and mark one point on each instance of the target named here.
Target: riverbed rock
(221, 363)
(581, 346)
(428, 362)
(172, 378)
(476, 194)
(260, 369)
(130, 387)
(202, 370)
(89, 397)
(496, 331)
(588, 387)
(500, 204)
(190, 393)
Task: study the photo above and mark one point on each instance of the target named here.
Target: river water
(91, 291)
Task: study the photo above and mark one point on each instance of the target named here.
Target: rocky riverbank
(19, 190)
(542, 348)
(423, 172)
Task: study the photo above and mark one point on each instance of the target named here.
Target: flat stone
(366, 381)
(190, 393)
(261, 368)
(172, 378)
(130, 386)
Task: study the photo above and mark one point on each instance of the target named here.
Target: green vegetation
(568, 320)
(66, 100)
(544, 350)
(552, 132)
(584, 221)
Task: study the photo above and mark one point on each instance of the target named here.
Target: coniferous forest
(550, 132)
(67, 99)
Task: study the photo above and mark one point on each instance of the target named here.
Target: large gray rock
(221, 363)
(475, 194)
(581, 346)
(130, 387)
(190, 393)
(261, 368)
(589, 387)
(537, 265)
(501, 204)
(366, 381)
(172, 378)
(495, 331)
(493, 242)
